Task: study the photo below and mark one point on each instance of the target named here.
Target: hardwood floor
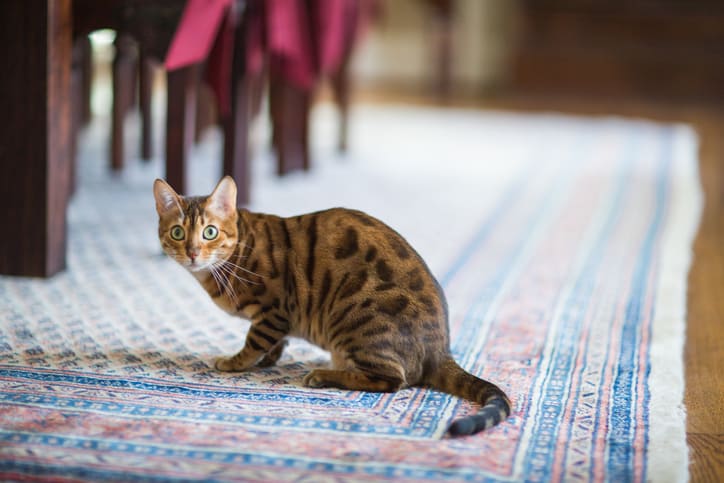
(704, 350)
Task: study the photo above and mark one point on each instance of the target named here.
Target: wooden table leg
(290, 107)
(34, 145)
(145, 99)
(182, 85)
(124, 65)
(236, 124)
(77, 93)
(341, 88)
(86, 80)
(442, 16)
(236, 143)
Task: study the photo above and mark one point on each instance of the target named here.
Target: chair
(144, 30)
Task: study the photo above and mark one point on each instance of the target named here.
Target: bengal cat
(338, 278)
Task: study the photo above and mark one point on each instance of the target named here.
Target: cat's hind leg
(388, 379)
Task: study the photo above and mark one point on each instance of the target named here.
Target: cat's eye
(177, 233)
(211, 232)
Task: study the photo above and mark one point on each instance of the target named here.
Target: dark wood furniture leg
(236, 124)
(123, 78)
(236, 141)
(442, 23)
(145, 90)
(86, 78)
(206, 116)
(35, 181)
(81, 72)
(77, 94)
(341, 88)
(182, 85)
(290, 118)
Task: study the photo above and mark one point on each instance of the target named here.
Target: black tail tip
(462, 427)
(495, 411)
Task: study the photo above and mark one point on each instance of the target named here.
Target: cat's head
(197, 231)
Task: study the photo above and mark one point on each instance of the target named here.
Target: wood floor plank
(704, 354)
(707, 456)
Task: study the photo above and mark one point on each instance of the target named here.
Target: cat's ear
(223, 200)
(166, 198)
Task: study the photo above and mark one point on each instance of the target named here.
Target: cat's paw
(226, 364)
(314, 379)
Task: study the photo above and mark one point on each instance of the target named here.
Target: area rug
(563, 246)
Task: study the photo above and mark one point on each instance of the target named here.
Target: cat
(338, 278)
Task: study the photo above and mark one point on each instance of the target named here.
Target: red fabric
(206, 32)
(304, 40)
(289, 41)
(254, 23)
(333, 20)
(338, 26)
(196, 32)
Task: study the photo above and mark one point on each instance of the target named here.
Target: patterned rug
(563, 245)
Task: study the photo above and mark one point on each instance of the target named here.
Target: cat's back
(342, 242)
(343, 234)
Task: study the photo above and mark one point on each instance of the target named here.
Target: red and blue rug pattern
(562, 244)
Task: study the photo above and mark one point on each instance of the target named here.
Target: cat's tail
(453, 379)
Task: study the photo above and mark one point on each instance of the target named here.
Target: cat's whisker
(225, 282)
(244, 269)
(216, 277)
(229, 265)
(230, 293)
(231, 272)
(224, 272)
(245, 281)
(216, 281)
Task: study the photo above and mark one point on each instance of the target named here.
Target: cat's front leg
(271, 357)
(263, 343)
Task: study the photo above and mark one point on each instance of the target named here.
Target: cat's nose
(192, 253)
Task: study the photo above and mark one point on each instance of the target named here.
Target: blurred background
(156, 76)
(453, 51)
(242, 63)
(664, 50)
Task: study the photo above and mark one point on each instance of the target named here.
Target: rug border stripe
(667, 457)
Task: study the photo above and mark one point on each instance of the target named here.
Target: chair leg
(182, 86)
(442, 12)
(236, 140)
(86, 79)
(123, 78)
(275, 115)
(290, 112)
(145, 97)
(206, 116)
(76, 102)
(341, 88)
(304, 113)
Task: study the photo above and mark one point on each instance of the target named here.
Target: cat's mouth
(196, 265)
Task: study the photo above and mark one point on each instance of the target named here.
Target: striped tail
(452, 379)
